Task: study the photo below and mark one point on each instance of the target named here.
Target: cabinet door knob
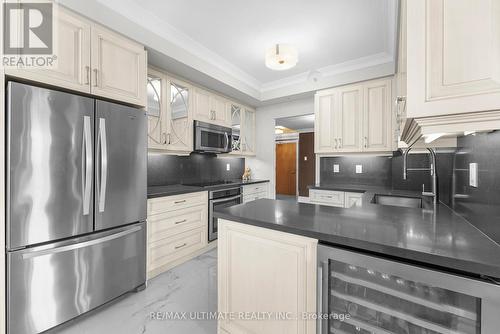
(336, 143)
(340, 142)
(366, 142)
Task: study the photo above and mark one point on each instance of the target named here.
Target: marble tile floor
(190, 287)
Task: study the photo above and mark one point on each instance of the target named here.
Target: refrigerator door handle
(86, 165)
(104, 164)
(36, 253)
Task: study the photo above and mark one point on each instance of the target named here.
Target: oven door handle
(225, 199)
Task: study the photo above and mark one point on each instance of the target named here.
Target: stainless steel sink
(392, 200)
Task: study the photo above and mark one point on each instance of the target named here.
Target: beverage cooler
(360, 294)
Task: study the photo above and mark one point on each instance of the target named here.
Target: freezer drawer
(51, 284)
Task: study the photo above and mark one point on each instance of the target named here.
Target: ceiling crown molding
(183, 55)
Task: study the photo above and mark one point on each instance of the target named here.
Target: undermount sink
(403, 201)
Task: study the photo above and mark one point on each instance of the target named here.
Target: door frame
(292, 141)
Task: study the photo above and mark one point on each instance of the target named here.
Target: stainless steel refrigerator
(76, 205)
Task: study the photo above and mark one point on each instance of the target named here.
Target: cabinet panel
(327, 197)
(353, 199)
(202, 106)
(236, 112)
(156, 110)
(453, 52)
(261, 269)
(218, 108)
(249, 132)
(350, 108)
(72, 66)
(377, 120)
(118, 67)
(179, 119)
(324, 123)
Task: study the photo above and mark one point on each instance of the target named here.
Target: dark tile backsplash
(169, 169)
(376, 170)
(480, 206)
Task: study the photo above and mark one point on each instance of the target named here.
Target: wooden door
(218, 107)
(179, 116)
(377, 120)
(119, 67)
(307, 162)
(286, 169)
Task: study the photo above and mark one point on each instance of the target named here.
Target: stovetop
(209, 183)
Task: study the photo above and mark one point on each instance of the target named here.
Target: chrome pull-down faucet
(431, 169)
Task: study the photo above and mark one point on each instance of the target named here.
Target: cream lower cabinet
(261, 270)
(339, 199)
(253, 192)
(177, 230)
(355, 118)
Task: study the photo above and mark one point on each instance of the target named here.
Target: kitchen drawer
(167, 224)
(255, 188)
(327, 197)
(353, 199)
(254, 197)
(176, 202)
(165, 251)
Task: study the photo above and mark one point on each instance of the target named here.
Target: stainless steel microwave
(211, 138)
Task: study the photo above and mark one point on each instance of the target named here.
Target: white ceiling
(297, 122)
(223, 42)
(325, 32)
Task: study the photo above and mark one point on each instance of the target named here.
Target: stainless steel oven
(222, 198)
(362, 294)
(211, 138)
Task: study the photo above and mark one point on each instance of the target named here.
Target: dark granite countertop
(178, 189)
(437, 238)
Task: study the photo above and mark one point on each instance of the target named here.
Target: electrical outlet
(473, 174)
(305, 158)
(228, 167)
(336, 168)
(359, 169)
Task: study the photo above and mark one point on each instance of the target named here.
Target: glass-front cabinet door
(179, 118)
(236, 127)
(249, 132)
(157, 133)
(360, 294)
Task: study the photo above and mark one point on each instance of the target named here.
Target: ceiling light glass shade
(281, 57)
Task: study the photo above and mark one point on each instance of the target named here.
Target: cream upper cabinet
(219, 111)
(355, 118)
(179, 118)
(169, 110)
(118, 67)
(236, 112)
(453, 56)
(156, 110)
(377, 120)
(202, 106)
(324, 127)
(265, 270)
(248, 131)
(211, 108)
(72, 65)
(95, 60)
(347, 119)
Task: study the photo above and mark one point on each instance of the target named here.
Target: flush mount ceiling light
(281, 57)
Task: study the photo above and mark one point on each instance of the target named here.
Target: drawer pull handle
(181, 221)
(179, 202)
(184, 244)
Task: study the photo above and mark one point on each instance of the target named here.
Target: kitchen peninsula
(426, 268)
